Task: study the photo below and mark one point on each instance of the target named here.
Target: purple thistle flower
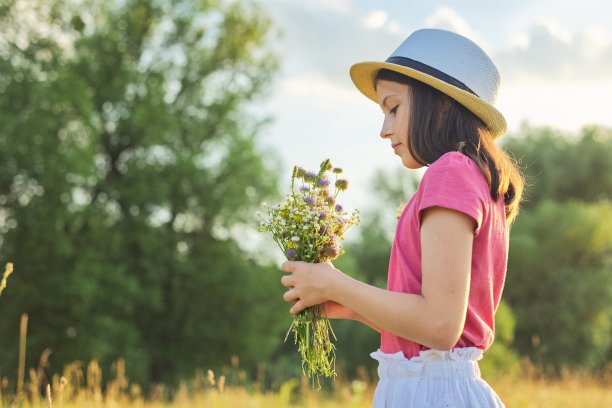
(290, 253)
(300, 172)
(322, 215)
(337, 170)
(309, 176)
(304, 188)
(339, 208)
(324, 182)
(330, 200)
(310, 200)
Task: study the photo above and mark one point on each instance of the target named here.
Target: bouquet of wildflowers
(309, 227)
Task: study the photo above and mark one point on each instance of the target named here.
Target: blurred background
(138, 138)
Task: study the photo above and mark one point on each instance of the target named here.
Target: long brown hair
(431, 134)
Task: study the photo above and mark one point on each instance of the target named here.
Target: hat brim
(363, 74)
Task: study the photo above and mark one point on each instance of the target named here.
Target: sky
(555, 59)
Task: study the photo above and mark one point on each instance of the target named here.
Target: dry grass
(7, 271)
(82, 387)
(541, 393)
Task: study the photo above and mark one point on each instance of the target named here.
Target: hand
(309, 284)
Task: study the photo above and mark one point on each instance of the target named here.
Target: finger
(291, 266)
(287, 281)
(287, 266)
(290, 296)
(297, 307)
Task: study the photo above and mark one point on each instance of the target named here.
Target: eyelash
(392, 111)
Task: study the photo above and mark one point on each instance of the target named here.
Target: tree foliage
(560, 283)
(560, 267)
(127, 161)
(564, 166)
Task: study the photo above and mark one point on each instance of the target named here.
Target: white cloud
(548, 53)
(379, 19)
(375, 20)
(447, 19)
(327, 44)
(312, 86)
(520, 41)
(340, 6)
(395, 28)
(554, 28)
(337, 6)
(595, 41)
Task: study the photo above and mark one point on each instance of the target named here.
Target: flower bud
(342, 184)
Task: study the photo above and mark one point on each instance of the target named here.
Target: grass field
(84, 389)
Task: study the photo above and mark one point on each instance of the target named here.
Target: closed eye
(394, 110)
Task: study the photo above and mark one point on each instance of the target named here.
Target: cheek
(403, 119)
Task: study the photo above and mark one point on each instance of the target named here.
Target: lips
(395, 145)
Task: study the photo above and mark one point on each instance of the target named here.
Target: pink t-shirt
(453, 181)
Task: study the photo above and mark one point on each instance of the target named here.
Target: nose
(387, 128)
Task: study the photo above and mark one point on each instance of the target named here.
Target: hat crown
(455, 56)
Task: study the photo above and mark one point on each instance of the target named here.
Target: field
(527, 390)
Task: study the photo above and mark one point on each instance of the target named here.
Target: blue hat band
(426, 69)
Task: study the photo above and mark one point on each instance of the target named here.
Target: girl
(449, 256)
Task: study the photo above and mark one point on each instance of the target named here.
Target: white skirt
(433, 379)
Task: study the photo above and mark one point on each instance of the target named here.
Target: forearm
(406, 315)
(365, 321)
(334, 310)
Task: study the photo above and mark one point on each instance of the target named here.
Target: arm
(333, 310)
(435, 318)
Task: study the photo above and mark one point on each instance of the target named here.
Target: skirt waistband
(457, 363)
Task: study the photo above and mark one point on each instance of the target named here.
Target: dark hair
(432, 133)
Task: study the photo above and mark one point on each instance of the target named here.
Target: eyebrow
(384, 102)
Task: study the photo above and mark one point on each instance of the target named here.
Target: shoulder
(455, 182)
(453, 159)
(454, 165)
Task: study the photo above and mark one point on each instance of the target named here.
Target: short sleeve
(455, 182)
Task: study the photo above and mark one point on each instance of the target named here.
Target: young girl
(449, 256)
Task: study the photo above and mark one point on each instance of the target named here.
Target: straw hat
(448, 62)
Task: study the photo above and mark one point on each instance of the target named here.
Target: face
(394, 100)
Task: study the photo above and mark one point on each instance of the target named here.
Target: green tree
(501, 359)
(128, 167)
(564, 166)
(560, 267)
(560, 283)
